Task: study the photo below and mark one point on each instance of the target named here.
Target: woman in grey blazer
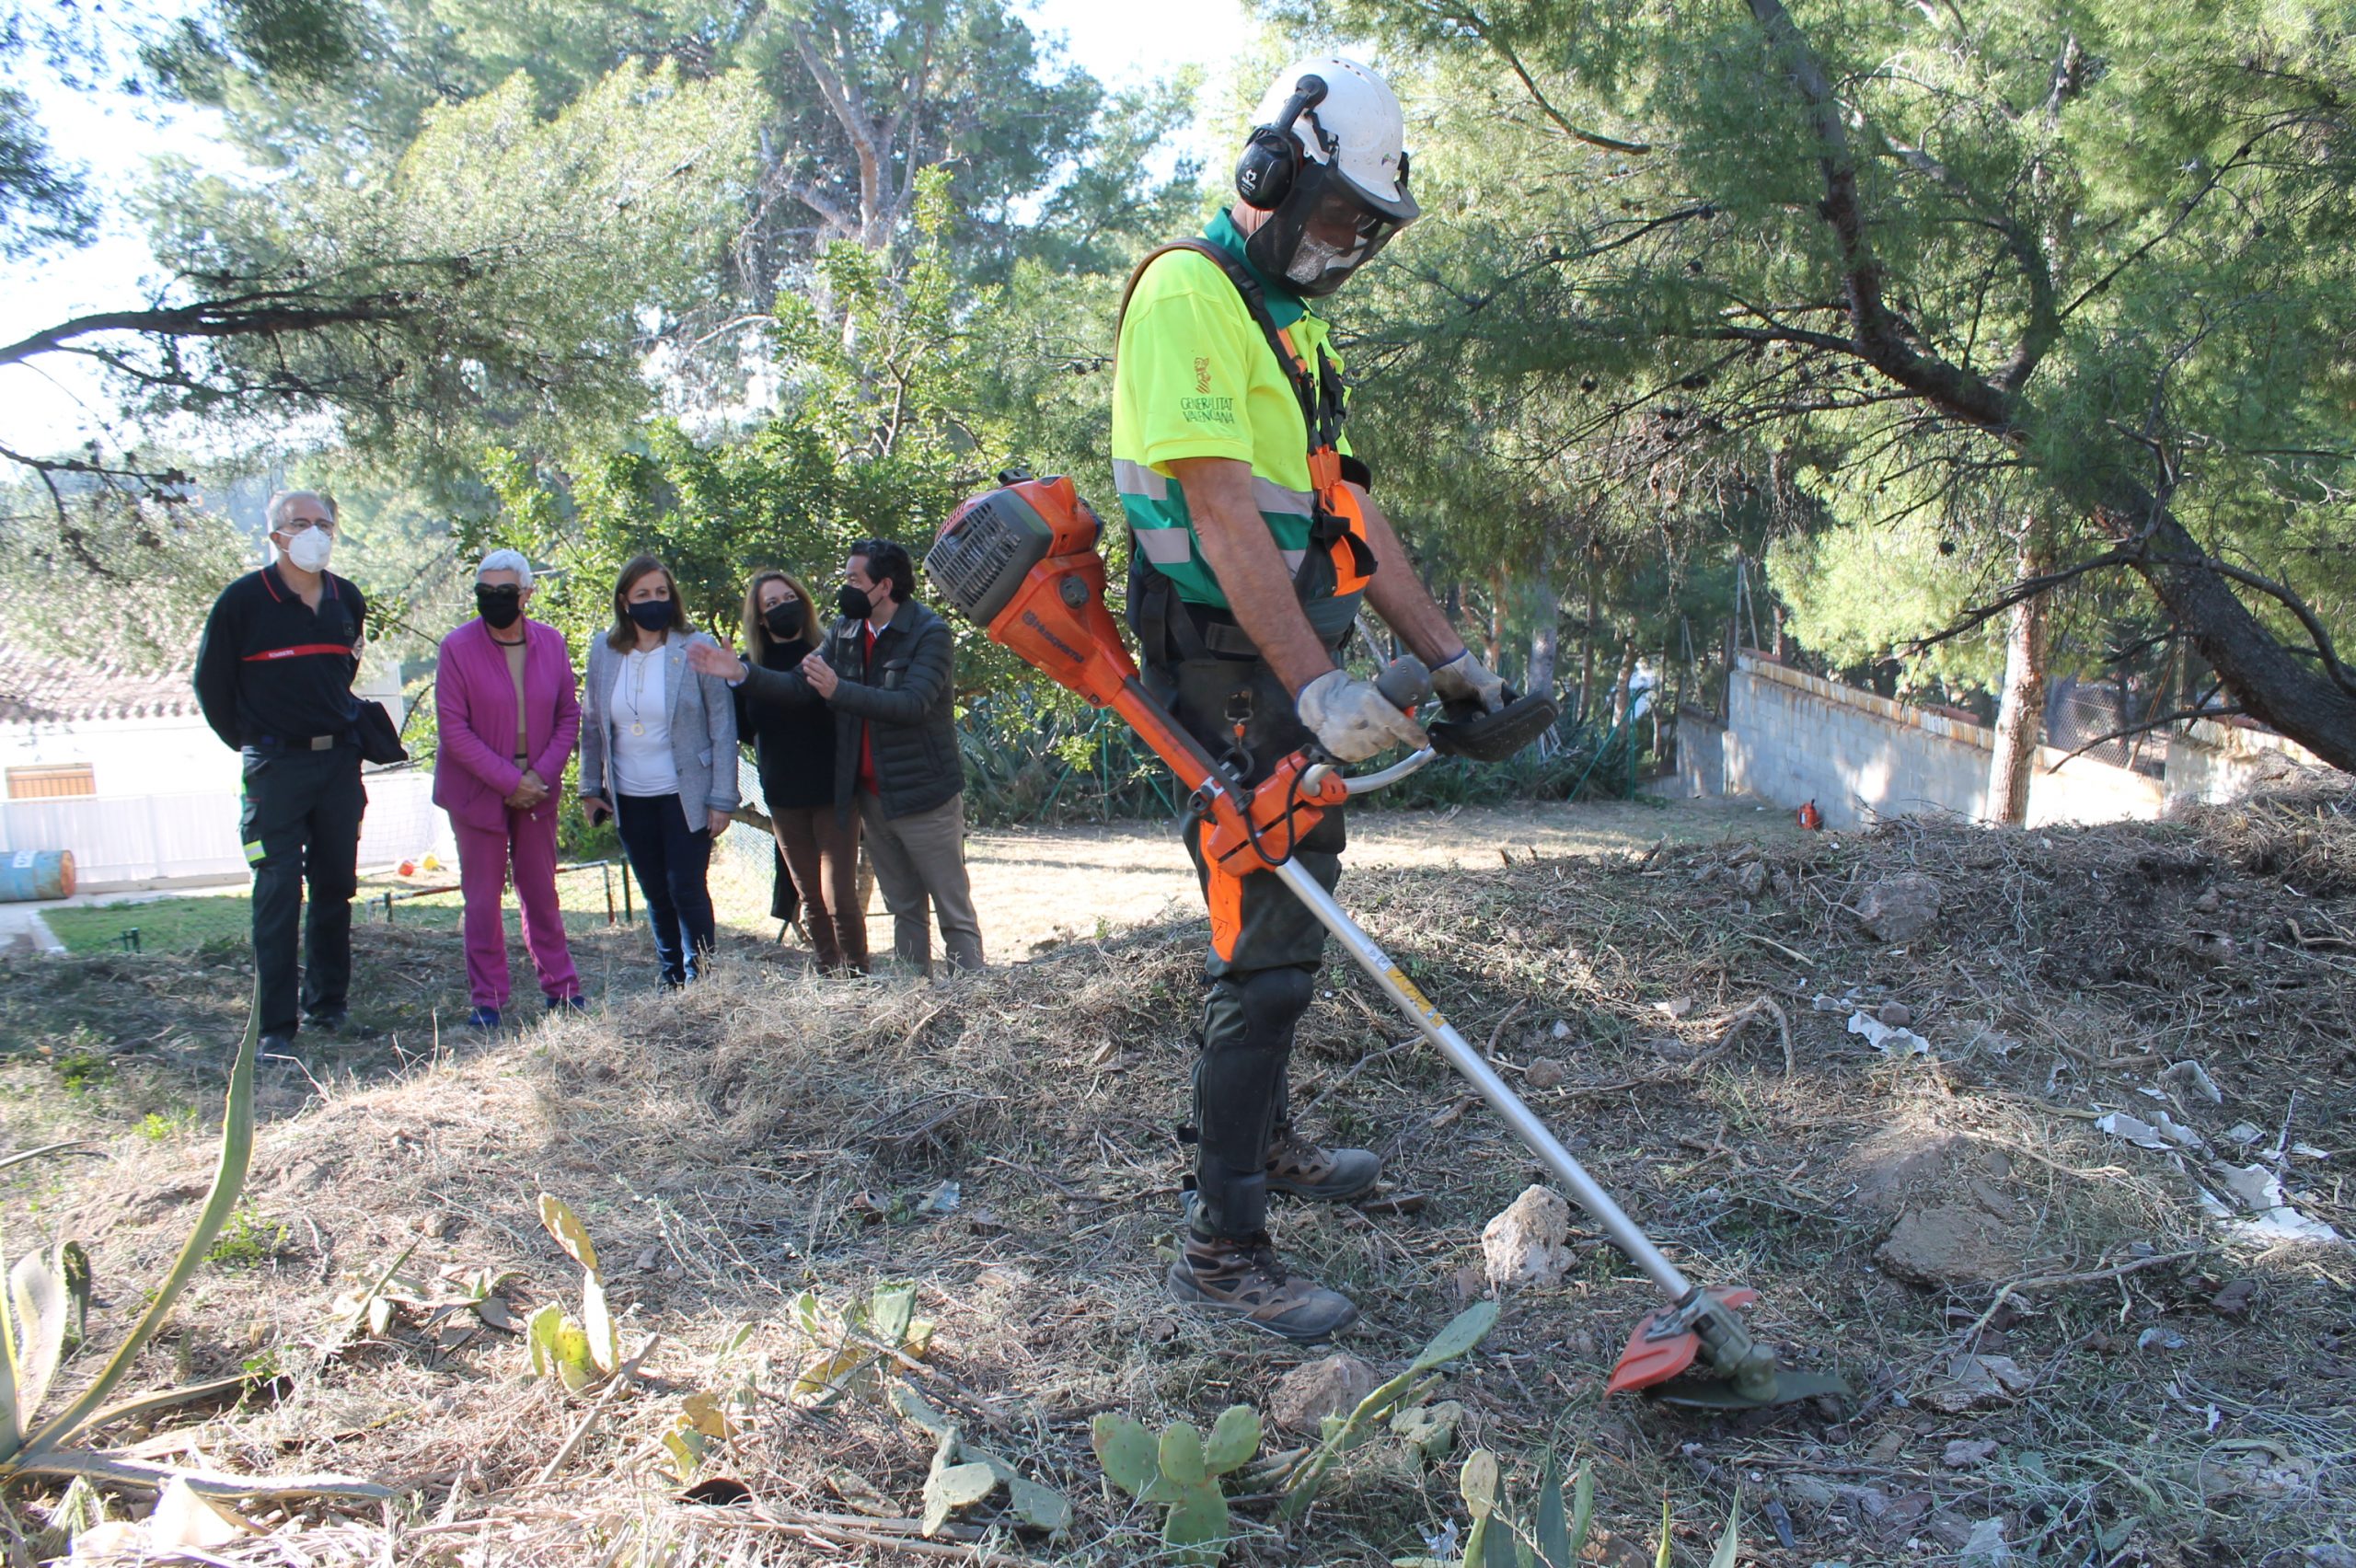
(658, 753)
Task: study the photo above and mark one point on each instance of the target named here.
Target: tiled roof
(47, 689)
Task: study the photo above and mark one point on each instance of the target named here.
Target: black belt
(301, 743)
(1223, 636)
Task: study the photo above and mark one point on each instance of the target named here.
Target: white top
(641, 761)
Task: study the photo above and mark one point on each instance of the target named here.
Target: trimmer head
(1464, 729)
(1736, 1371)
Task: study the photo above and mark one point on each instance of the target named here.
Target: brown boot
(1242, 1279)
(1311, 1170)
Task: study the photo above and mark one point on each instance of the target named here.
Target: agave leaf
(1478, 1482)
(149, 1477)
(1552, 1528)
(1198, 1524)
(148, 1404)
(890, 1312)
(597, 1323)
(951, 1487)
(1127, 1451)
(569, 1233)
(1181, 1455)
(13, 1416)
(1464, 1331)
(1041, 1507)
(1730, 1543)
(1668, 1524)
(1235, 1437)
(229, 1181)
(73, 1266)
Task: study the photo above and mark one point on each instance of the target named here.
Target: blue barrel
(29, 874)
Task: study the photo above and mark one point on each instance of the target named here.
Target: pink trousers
(482, 875)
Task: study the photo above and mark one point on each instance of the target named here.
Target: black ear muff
(1271, 159)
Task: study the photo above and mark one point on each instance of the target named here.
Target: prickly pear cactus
(1180, 1472)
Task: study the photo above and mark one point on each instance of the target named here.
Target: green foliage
(579, 1353)
(248, 1241)
(1180, 1472)
(851, 1341)
(1401, 1393)
(963, 1474)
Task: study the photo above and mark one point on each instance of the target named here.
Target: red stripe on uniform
(298, 651)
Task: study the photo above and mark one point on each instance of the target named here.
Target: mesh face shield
(1325, 229)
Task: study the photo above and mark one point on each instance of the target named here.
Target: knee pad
(1273, 1001)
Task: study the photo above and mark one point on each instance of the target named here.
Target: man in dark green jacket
(888, 671)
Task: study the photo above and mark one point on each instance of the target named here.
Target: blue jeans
(670, 864)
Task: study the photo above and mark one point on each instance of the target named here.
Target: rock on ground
(1523, 1245)
(1951, 1244)
(1900, 908)
(1975, 1380)
(1305, 1396)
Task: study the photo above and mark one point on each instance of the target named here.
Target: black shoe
(484, 1019)
(275, 1045)
(1327, 1175)
(1243, 1279)
(568, 1004)
(332, 1021)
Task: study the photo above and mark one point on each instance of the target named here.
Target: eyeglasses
(293, 525)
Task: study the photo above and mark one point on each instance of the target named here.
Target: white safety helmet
(1327, 162)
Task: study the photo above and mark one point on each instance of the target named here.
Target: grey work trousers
(919, 859)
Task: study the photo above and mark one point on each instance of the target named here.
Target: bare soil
(2095, 1371)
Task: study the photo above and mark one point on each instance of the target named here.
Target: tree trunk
(1494, 634)
(2273, 687)
(1587, 650)
(1620, 683)
(2020, 714)
(1546, 638)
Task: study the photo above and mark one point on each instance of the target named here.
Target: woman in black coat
(794, 748)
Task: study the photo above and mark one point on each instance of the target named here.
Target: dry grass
(765, 1133)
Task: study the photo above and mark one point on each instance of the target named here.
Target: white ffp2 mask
(309, 549)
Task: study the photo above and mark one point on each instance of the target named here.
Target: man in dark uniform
(273, 675)
(1254, 546)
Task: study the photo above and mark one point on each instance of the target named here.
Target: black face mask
(783, 620)
(853, 602)
(500, 607)
(654, 615)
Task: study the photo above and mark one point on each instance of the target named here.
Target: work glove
(1353, 720)
(1465, 679)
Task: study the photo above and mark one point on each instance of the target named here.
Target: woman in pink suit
(509, 712)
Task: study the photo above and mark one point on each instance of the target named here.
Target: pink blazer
(474, 708)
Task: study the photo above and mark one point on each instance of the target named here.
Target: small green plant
(1550, 1535)
(579, 1352)
(1400, 1397)
(853, 1341)
(248, 1241)
(964, 1473)
(158, 1127)
(1181, 1474)
(46, 1297)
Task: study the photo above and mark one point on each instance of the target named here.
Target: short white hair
(282, 499)
(506, 560)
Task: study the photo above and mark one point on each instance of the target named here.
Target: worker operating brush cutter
(1255, 545)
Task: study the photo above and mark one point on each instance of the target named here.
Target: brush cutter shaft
(1484, 1078)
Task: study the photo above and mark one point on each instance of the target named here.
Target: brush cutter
(1021, 561)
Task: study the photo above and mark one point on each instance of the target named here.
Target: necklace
(636, 669)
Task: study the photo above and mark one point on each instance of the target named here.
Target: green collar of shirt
(1284, 307)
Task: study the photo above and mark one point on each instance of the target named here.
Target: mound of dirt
(1006, 1143)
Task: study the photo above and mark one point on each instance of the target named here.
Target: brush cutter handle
(1518, 1116)
(1364, 783)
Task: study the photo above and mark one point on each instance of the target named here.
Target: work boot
(1311, 1170)
(1242, 1279)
